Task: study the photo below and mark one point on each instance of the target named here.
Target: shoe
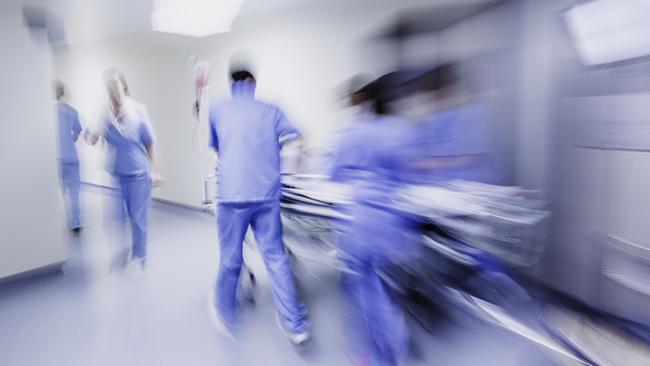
(135, 268)
(300, 339)
(216, 322)
(76, 231)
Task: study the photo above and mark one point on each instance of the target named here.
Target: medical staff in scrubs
(128, 132)
(247, 136)
(69, 130)
(370, 158)
(453, 137)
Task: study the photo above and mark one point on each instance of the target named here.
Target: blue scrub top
(69, 130)
(246, 134)
(371, 158)
(461, 131)
(128, 135)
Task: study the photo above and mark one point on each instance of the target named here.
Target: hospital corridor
(89, 315)
(324, 182)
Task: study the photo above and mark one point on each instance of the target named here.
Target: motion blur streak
(370, 182)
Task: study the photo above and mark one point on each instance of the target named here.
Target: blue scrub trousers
(376, 326)
(377, 240)
(233, 220)
(136, 194)
(71, 185)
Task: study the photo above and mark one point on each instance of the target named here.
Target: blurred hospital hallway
(88, 315)
(324, 182)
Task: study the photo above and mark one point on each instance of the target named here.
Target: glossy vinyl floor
(92, 315)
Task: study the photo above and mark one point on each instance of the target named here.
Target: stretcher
(472, 235)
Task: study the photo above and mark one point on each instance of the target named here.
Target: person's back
(69, 129)
(247, 133)
(461, 133)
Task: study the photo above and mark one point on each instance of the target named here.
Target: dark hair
(241, 75)
(384, 90)
(59, 89)
(447, 75)
(439, 78)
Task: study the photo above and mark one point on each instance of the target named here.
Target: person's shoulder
(66, 108)
(137, 106)
(393, 122)
(261, 105)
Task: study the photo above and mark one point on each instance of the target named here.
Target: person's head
(352, 93)
(384, 92)
(440, 81)
(447, 80)
(241, 75)
(116, 87)
(59, 90)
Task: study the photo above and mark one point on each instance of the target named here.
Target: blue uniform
(69, 130)
(128, 135)
(460, 131)
(370, 159)
(246, 134)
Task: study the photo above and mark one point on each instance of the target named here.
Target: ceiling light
(197, 18)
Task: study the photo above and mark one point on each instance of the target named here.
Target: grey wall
(487, 46)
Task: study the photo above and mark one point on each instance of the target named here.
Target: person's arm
(213, 138)
(288, 135)
(149, 141)
(92, 137)
(76, 127)
(285, 131)
(156, 177)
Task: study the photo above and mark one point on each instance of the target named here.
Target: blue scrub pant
(136, 194)
(71, 185)
(376, 326)
(376, 241)
(233, 220)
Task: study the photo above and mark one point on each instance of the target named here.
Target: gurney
(472, 234)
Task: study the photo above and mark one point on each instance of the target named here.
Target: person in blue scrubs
(453, 139)
(69, 129)
(128, 132)
(247, 136)
(370, 158)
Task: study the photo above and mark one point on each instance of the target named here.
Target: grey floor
(90, 315)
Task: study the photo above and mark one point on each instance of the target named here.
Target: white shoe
(297, 339)
(135, 268)
(215, 319)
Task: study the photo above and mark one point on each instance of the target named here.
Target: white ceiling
(90, 20)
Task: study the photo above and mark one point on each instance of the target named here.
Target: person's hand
(156, 179)
(90, 137)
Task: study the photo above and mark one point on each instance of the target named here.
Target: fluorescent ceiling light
(197, 18)
(607, 31)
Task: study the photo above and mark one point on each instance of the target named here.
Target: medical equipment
(469, 232)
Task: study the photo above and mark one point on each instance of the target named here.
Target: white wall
(31, 216)
(299, 60)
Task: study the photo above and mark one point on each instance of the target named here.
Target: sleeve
(213, 139)
(147, 136)
(346, 160)
(76, 127)
(282, 125)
